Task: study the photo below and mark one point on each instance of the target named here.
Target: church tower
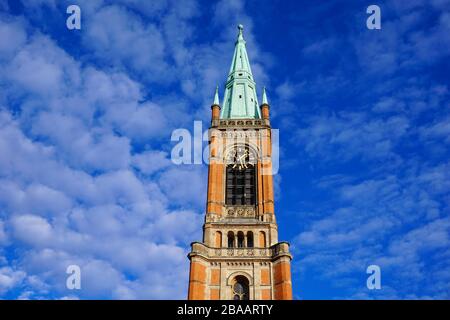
(240, 257)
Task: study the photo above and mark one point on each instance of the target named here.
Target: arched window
(240, 288)
(241, 177)
(250, 239)
(262, 239)
(218, 239)
(240, 239)
(230, 239)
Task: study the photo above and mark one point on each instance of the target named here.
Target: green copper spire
(264, 98)
(240, 101)
(216, 97)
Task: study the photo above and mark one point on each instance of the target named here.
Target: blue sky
(86, 118)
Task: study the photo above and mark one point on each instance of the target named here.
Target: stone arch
(240, 239)
(250, 239)
(218, 240)
(239, 273)
(230, 237)
(262, 239)
(240, 289)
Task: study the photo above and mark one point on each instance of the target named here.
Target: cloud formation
(85, 123)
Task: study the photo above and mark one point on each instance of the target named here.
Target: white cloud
(32, 230)
(111, 30)
(388, 104)
(140, 122)
(427, 237)
(12, 30)
(44, 200)
(346, 135)
(3, 236)
(178, 226)
(99, 278)
(288, 90)
(83, 181)
(42, 68)
(440, 130)
(119, 206)
(149, 162)
(184, 186)
(95, 149)
(10, 278)
(47, 178)
(393, 222)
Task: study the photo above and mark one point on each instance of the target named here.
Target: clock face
(241, 158)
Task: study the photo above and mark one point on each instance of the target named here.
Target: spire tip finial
(216, 96)
(240, 35)
(264, 97)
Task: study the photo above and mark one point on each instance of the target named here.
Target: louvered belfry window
(240, 185)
